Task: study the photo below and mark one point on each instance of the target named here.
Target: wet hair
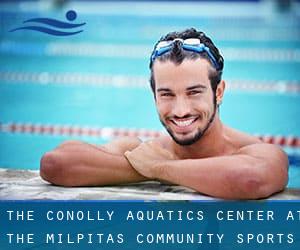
(177, 54)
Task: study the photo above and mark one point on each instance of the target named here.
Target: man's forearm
(86, 165)
(232, 177)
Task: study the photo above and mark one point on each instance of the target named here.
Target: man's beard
(196, 137)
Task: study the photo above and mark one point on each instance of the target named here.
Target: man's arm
(256, 171)
(76, 163)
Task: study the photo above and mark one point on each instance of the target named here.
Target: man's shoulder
(241, 139)
(251, 145)
(165, 141)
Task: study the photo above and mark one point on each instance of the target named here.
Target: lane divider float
(121, 81)
(109, 132)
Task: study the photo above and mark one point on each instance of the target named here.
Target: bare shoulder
(239, 138)
(121, 145)
(165, 142)
(253, 146)
(270, 152)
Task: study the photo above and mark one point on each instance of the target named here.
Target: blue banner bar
(149, 225)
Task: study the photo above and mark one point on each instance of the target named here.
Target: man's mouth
(184, 123)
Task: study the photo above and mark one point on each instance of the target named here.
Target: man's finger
(127, 154)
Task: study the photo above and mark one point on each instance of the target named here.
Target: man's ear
(220, 92)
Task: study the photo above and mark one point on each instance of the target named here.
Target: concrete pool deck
(27, 185)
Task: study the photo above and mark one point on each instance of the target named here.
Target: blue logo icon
(70, 15)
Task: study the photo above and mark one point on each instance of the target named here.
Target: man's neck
(212, 143)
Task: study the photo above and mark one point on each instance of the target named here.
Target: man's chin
(186, 140)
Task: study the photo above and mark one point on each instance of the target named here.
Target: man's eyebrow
(198, 86)
(164, 89)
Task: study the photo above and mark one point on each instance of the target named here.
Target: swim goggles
(190, 44)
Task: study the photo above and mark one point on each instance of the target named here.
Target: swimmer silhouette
(71, 15)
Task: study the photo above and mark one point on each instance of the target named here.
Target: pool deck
(27, 185)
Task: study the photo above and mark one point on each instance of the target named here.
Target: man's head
(186, 70)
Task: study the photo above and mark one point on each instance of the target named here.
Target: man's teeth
(184, 123)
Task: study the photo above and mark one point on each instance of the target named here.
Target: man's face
(184, 98)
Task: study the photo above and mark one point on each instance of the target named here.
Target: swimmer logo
(70, 15)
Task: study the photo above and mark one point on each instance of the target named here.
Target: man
(200, 151)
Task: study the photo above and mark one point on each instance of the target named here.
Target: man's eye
(166, 94)
(194, 92)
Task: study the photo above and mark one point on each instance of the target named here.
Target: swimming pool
(94, 86)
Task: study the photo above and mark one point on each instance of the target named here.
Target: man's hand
(145, 158)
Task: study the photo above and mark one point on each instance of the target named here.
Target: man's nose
(181, 107)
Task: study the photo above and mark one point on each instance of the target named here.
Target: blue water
(29, 101)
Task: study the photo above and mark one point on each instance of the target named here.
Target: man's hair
(177, 54)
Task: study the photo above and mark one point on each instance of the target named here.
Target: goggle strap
(196, 48)
(200, 49)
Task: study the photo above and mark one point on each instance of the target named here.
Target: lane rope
(121, 81)
(109, 132)
(139, 51)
